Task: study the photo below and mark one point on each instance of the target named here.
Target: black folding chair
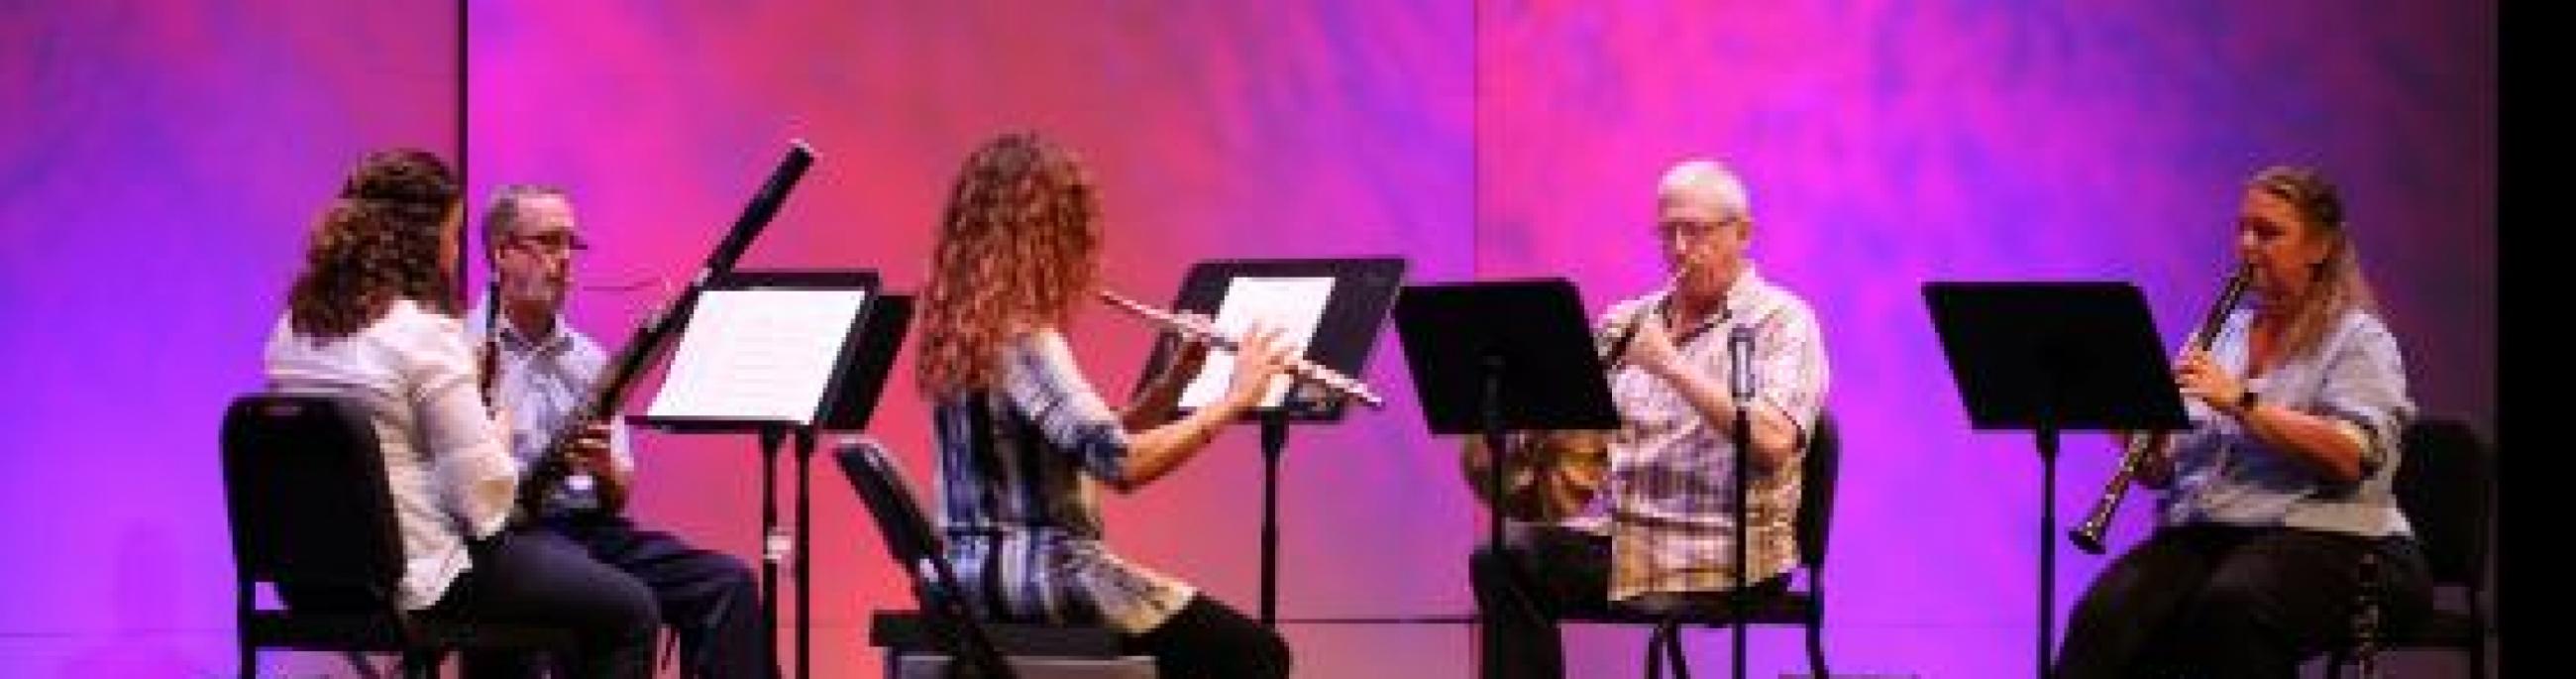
(2446, 484)
(1802, 607)
(945, 625)
(311, 514)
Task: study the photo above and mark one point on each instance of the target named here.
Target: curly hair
(1018, 246)
(377, 242)
(2338, 285)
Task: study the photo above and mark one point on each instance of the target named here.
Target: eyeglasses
(551, 242)
(1692, 229)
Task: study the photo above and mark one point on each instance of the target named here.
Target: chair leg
(1655, 653)
(2478, 659)
(2335, 662)
(1673, 648)
(249, 661)
(1816, 649)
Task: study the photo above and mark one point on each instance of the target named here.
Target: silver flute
(1296, 366)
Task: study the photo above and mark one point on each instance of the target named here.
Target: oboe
(1617, 355)
(2088, 535)
(1296, 366)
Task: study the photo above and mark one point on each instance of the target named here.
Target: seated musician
(373, 317)
(1660, 534)
(1024, 439)
(2281, 490)
(545, 370)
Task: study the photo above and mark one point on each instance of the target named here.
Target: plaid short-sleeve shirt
(1670, 495)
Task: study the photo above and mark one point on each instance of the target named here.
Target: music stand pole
(1274, 440)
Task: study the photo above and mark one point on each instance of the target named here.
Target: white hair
(1709, 180)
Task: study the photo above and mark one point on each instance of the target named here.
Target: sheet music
(1294, 305)
(761, 354)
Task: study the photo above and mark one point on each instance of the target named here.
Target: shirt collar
(510, 333)
(1737, 304)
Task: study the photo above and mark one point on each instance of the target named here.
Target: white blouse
(446, 457)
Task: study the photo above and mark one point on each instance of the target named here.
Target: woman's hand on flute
(1257, 362)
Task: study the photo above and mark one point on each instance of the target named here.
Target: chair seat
(362, 632)
(1777, 608)
(908, 631)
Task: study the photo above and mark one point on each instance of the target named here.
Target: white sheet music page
(761, 354)
(1294, 305)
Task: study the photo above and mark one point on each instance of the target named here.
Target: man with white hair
(1660, 535)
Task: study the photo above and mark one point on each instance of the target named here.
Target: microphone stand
(1739, 349)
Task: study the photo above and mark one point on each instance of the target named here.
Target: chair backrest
(305, 491)
(915, 544)
(2446, 484)
(1819, 475)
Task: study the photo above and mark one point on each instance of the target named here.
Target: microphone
(1739, 357)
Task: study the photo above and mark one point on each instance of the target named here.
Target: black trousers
(1208, 639)
(536, 578)
(2224, 601)
(710, 599)
(1541, 575)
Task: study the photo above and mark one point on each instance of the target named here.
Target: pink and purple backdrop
(163, 162)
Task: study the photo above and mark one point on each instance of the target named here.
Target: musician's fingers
(1261, 339)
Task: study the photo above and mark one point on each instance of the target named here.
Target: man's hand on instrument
(1651, 347)
(589, 450)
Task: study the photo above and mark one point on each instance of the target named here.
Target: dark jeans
(2218, 601)
(710, 599)
(1208, 639)
(1544, 574)
(535, 578)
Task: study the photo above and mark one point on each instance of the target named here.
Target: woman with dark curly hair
(1023, 437)
(372, 318)
(2278, 507)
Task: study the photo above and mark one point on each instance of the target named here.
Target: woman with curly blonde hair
(2279, 509)
(1023, 437)
(372, 319)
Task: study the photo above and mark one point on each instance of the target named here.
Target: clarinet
(2088, 536)
(608, 395)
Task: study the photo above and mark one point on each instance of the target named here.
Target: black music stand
(843, 398)
(1493, 356)
(1362, 290)
(2051, 357)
